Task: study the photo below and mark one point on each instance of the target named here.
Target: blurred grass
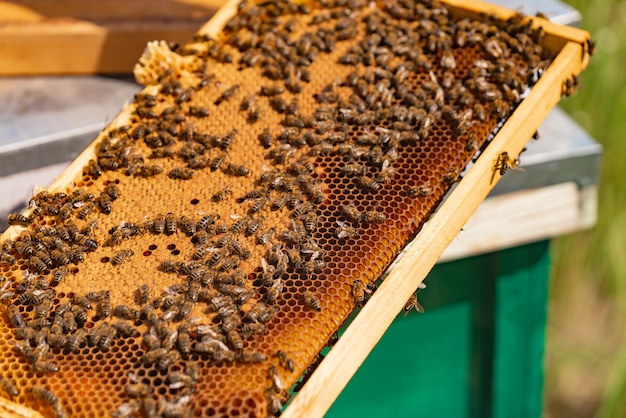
(586, 351)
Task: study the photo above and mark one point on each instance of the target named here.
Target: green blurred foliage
(595, 260)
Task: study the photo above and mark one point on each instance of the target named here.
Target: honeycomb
(247, 202)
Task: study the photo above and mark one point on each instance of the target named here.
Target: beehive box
(185, 264)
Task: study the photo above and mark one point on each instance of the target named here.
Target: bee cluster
(219, 238)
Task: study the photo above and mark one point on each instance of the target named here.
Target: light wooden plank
(81, 47)
(112, 10)
(526, 216)
(77, 37)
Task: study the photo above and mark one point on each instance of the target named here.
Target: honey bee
(148, 171)
(112, 191)
(105, 337)
(66, 211)
(18, 219)
(45, 367)
(279, 202)
(229, 263)
(198, 111)
(505, 162)
(171, 225)
(278, 104)
(299, 209)
(104, 203)
(93, 169)
(45, 257)
(369, 184)
(247, 102)
(222, 194)
(261, 313)
(184, 96)
(137, 390)
(353, 169)
(373, 216)
(46, 395)
(87, 242)
(181, 173)
(266, 138)
(9, 387)
(275, 290)
(311, 301)
(358, 292)
(451, 176)
(237, 170)
(24, 248)
(277, 383)
(73, 341)
(351, 213)
(411, 304)
(250, 329)
(125, 312)
(121, 256)
(201, 252)
(184, 342)
(80, 315)
(158, 224)
(251, 357)
(38, 264)
(142, 294)
(193, 292)
(103, 309)
(270, 91)
(227, 94)
(235, 340)
(7, 259)
(200, 238)
(188, 226)
(285, 360)
(275, 403)
(59, 258)
(16, 318)
(178, 380)
(265, 236)
(124, 329)
(258, 205)
(165, 152)
(207, 220)
(344, 231)
(151, 341)
(315, 265)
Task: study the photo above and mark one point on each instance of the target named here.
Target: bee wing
(418, 307)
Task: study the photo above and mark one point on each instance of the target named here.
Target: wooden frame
(334, 372)
(360, 337)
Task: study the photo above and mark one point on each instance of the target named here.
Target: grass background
(586, 344)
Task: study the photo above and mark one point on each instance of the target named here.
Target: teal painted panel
(477, 352)
(521, 314)
(419, 368)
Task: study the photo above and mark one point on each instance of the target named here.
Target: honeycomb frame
(336, 369)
